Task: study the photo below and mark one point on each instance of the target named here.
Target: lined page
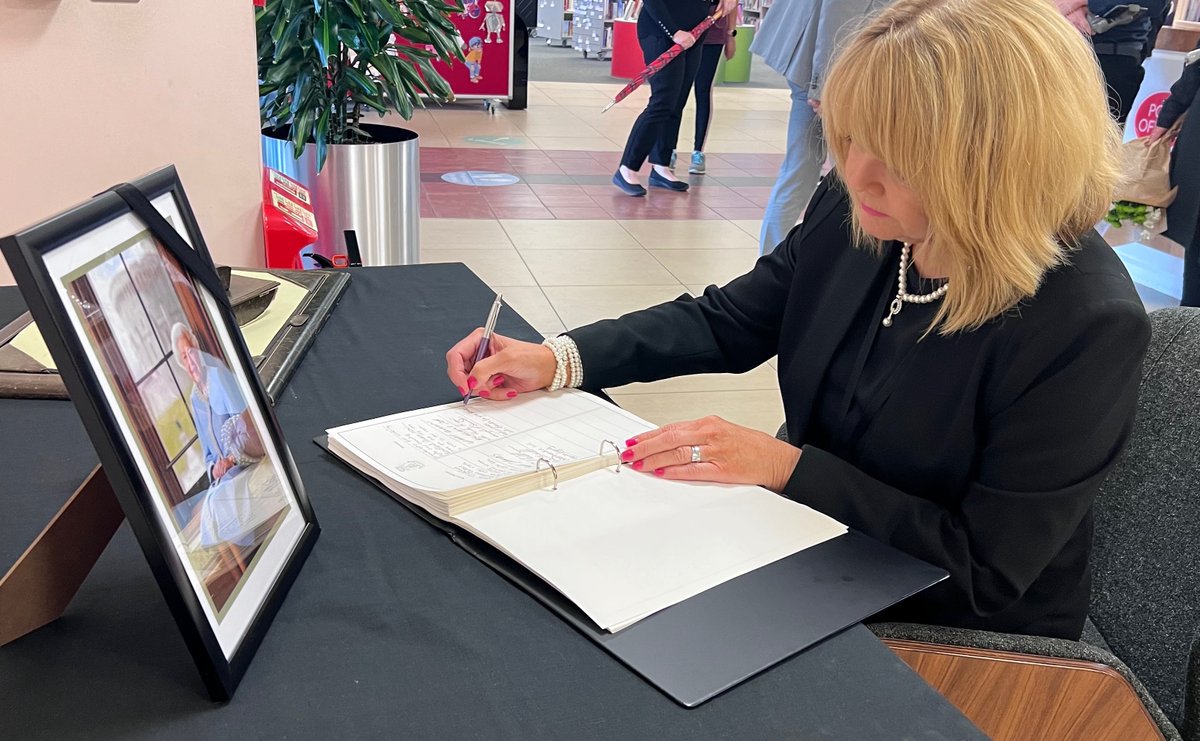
(622, 546)
(453, 446)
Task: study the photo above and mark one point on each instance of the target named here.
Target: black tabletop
(390, 631)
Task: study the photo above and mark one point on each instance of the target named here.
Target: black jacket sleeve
(727, 330)
(1062, 412)
(1183, 92)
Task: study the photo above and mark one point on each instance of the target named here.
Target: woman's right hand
(684, 39)
(1158, 133)
(511, 367)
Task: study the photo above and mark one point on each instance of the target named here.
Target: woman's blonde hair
(994, 113)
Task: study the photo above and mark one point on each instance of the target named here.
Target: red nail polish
(627, 454)
(631, 441)
(658, 472)
(499, 381)
(485, 392)
(637, 465)
(462, 391)
(472, 383)
(512, 394)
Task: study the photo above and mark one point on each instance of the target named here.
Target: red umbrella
(661, 62)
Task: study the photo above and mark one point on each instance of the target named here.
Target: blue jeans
(798, 175)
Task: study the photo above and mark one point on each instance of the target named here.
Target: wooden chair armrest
(1024, 697)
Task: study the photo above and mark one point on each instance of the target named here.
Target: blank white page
(624, 545)
(453, 446)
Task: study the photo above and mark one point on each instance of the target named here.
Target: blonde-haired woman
(958, 351)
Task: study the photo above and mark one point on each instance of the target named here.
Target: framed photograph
(167, 391)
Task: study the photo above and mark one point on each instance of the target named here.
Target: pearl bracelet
(568, 365)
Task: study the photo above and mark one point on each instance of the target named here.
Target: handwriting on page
(452, 446)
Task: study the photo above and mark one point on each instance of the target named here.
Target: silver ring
(695, 454)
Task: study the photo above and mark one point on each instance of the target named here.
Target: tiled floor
(566, 248)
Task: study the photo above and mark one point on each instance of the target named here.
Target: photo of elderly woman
(220, 493)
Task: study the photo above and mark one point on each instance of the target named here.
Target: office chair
(1136, 671)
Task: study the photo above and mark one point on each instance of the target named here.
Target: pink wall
(95, 92)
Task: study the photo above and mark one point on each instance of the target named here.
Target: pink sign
(486, 34)
(1146, 117)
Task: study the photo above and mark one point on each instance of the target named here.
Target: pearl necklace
(902, 294)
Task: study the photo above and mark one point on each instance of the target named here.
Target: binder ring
(553, 470)
(617, 465)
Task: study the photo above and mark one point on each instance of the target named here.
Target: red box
(289, 223)
(627, 59)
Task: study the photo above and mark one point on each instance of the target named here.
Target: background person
(1122, 50)
(797, 39)
(717, 40)
(660, 25)
(945, 320)
(1183, 215)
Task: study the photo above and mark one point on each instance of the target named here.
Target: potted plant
(322, 65)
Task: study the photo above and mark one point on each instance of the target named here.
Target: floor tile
(579, 305)
(689, 234)
(463, 234)
(586, 267)
(762, 378)
(576, 143)
(759, 410)
(533, 306)
(707, 266)
(494, 267)
(595, 234)
(753, 227)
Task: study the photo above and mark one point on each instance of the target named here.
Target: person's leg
(798, 175)
(660, 155)
(710, 57)
(646, 129)
(1191, 273)
(1123, 75)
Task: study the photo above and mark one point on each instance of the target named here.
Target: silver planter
(372, 190)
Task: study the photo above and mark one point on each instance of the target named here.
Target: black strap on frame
(192, 261)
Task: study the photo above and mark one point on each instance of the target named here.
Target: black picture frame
(221, 646)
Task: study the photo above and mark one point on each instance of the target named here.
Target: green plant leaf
(390, 12)
(434, 80)
(389, 73)
(290, 37)
(321, 138)
(368, 101)
(281, 19)
(361, 82)
(301, 131)
(299, 90)
(325, 37)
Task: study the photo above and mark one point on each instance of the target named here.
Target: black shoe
(658, 181)
(628, 188)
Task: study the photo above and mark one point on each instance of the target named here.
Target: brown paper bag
(1148, 171)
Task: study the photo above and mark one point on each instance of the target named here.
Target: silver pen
(488, 327)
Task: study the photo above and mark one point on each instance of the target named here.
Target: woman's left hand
(729, 454)
(730, 48)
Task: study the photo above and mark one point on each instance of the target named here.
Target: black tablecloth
(390, 631)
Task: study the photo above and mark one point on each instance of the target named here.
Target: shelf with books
(556, 22)
(753, 11)
(593, 26)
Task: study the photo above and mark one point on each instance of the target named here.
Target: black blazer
(984, 450)
(676, 15)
